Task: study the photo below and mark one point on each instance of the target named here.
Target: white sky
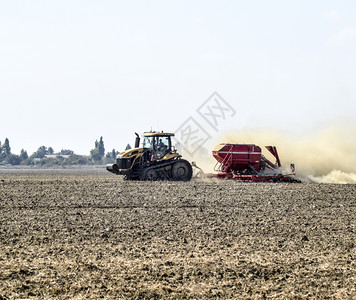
(72, 71)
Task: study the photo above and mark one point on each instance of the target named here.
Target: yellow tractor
(155, 160)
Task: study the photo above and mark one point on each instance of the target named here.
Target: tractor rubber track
(158, 169)
(159, 172)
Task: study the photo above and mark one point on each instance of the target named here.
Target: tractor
(157, 159)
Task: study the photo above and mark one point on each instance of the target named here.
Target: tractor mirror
(292, 168)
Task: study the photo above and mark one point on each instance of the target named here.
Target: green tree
(2, 156)
(114, 153)
(13, 159)
(110, 157)
(50, 151)
(23, 154)
(40, 153)
(101, 147)
(97, 154)
(6, 149)
(66, 152)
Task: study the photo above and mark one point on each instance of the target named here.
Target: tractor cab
(158, 143)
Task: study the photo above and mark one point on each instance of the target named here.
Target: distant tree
(101, 147)
(25, 160)
(128, 147)
(110, 157)
(13, 159)
(114, 153)
(66, 152)
(23, 154)
(50, 151)
(2, 155)
(6, 149)
(97, 154)
(40, 153)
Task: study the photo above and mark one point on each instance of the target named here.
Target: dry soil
(89, 234)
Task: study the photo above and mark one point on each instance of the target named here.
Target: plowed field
(77, 234)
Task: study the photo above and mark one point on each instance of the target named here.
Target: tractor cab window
(157, 142)
(163, 143)
(148, 142)
(160, 145)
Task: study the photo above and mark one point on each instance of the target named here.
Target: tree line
(46, 156)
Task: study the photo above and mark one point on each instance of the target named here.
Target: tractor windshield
(160, 143)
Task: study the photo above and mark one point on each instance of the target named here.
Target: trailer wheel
(182, 170)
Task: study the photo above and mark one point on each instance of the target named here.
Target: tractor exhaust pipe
(137, 140)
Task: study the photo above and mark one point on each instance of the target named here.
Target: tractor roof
(154, 133)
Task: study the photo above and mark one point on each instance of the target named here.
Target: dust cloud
(202, 157)
(324, 155)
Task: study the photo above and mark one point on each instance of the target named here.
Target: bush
(76, 159)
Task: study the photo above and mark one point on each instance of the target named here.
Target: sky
(72, 71)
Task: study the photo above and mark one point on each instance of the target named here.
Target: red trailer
(245, 162)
